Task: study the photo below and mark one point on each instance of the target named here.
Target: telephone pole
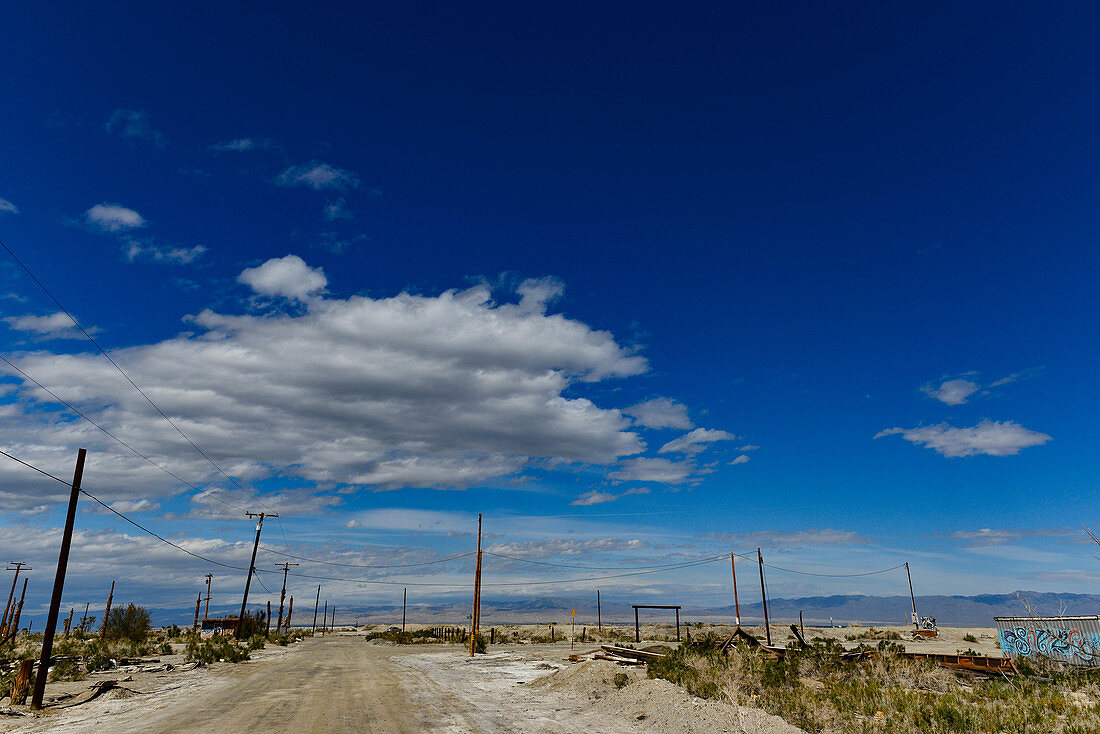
(475, 618)
(764, 597)
(107, 612)
(916, 619)
(316, 606)
(251, 566)
(58, 584)
(18, 566)
(736, 604)
(206, 612)
(289, 612)
(282, 595)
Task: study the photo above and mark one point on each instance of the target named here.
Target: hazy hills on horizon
(841, 609)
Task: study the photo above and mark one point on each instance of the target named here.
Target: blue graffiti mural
(1069, 644)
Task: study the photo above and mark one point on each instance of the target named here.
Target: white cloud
(952, 392)
(597, 498)
(288, 277)
(796, 538)
(993, 438)
(352, 524)
(645, 469)
(749, 447)
(317, 176)
(538, 293)
(6, 207)
(113, 218)
(445, 391)
(742, 459)
(135, 250)
(570, 547)
(56, 325)
(660, 413)
(996, 536)
(242, 145)
(337, 209)
(135, 125)
(695, 441)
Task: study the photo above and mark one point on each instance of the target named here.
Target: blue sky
(642, 285)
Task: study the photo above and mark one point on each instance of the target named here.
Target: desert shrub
(131, 623)
(889, 693)
(620, 680)
(256, 642)
(97, 655)
(969, 638)
(66, 670)
(216, 649)
(480, 643)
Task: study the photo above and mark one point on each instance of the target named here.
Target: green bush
(480, 643)
(131, 623)
(215, 649)
(969, 638)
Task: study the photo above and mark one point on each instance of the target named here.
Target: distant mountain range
(950, 611)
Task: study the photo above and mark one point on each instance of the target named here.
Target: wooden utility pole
(84, 619)
(736, 604)
(282, 594)
(198, 602)
(316, 604)
(19, 566)
(324, 619)
(475, 618)
(206, 612)
(332, 627)
(251, 567)
(289, 612)
(69, 621)
(599, 616)
(404, 606)
(764, 596)
(916, 619)
(107, 612)
(267, 629)
(18, 611)
(58, 584)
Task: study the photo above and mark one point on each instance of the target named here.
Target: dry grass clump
(819, 692)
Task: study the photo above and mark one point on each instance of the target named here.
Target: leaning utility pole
(198, 602)
(206, 612)
(251, 567)
(18, 611)
(69, 621)
(475, 617)
(19, 566)
(764, 597)
(599, 616)
(58, 584)
(316, 605)
(107, 612)
(324, 619)
(289, 612)
(916, 619)
(404, 606)
(282, 595)
(736, 604)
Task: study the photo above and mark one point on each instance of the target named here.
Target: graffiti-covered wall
(1072, 640)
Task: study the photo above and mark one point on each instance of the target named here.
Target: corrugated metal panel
(1070, 640)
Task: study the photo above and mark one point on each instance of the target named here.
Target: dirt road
(344, 684)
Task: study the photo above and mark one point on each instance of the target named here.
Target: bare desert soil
(343, 683)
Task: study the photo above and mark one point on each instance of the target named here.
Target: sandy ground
(342, 683)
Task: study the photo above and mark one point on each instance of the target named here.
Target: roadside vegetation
(819, 692)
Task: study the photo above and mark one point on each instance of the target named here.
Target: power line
(367, 565)
(75, 410)
(123, 373)
(574, 566)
